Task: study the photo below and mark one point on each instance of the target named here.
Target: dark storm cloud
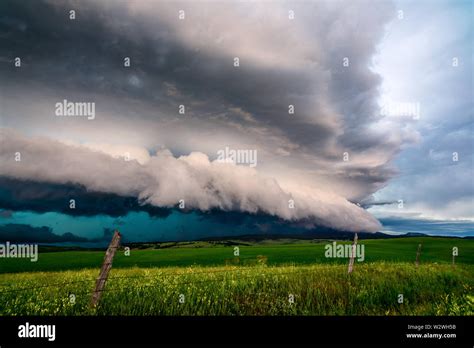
(21, 195)
(41, 197)
(87, 54)
(20, 233)
(23, 233)
(191, 63)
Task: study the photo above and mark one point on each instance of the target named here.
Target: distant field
(323, 289)
(287, 252)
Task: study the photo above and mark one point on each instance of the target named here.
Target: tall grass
(321, 289)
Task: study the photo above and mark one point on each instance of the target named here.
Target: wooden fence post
(417, 262)
(351, 260)
(106, 266)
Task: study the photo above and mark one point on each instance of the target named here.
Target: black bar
(241, 330)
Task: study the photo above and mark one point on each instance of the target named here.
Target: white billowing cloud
(163, 180)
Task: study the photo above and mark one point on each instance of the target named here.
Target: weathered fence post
(106, 266)
(417, 262)
(351, 259)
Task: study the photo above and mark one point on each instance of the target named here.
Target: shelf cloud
(165, 180)
(173, 84)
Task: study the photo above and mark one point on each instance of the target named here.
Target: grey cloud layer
(190, 62)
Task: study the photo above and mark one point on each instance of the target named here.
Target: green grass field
(373, 289)
(277, 252)
(192, 279)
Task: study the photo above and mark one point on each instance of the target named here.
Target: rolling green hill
(283, 252)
